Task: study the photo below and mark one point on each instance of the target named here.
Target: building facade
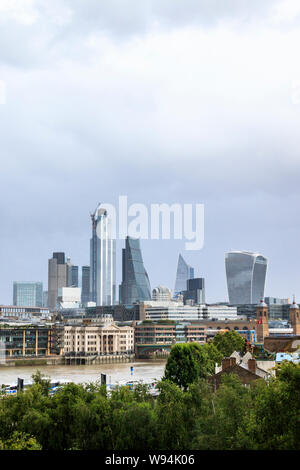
(135, 285)
(72, 274)
(184, 272)
(69, 297)
(85, 285)
(25, 341)
(195, 292)
(13, 312)
(118, 312)
(28, 294)
(102, 259)
(178, 311)
(57, 277)
(246, 276)
(168, 333)
(98, 340)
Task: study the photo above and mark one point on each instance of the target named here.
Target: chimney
(226, 363)
(252, 365)
(232, 361)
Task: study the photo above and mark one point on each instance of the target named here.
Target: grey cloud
(132, 16)
(181, 128)
(48, 39)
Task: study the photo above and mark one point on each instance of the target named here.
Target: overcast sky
(175, 101)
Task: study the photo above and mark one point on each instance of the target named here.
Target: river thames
(145, 371)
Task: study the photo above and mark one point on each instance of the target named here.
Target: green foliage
(188, 362)
(228, 342)
(20, 441)
(275, 419)
(40, 379)
(86, 417)
(183, 365)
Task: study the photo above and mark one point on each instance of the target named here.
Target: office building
(195, 292)
(135, 285)
(102, 259)
(57, 277)
(85, 285)
(164, 335)
(119, 312)
(177, 311)
(276, 301)
(184, 272)
(69, 297)
(276, 311)
(72, 274)
(12, 312)
(45, 298)
(246, 276)
(96, 340)
(25, 341)
(28, 294)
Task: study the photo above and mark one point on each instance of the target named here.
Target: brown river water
(145, 371)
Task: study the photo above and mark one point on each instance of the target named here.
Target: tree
(228, 342)
(186, 363)
(41, 380)
(173, 427)
(20, 441)
(215, 356)
(274, 423)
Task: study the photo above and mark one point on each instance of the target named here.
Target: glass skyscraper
(72, 274)
(85, 285)
(102, 259)
(28, 294)
(135, 285)
(184, 272)
(246, 276)
(195, 291)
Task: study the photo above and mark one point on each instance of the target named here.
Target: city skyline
(183, 269)
(173, 102)
(72, 271)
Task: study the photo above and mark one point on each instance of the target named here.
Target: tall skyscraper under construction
(102, 259)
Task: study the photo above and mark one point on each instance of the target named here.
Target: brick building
(247, 375)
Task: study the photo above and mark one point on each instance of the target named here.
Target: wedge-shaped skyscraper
(246, 277)
(184, 272)
(135, 285)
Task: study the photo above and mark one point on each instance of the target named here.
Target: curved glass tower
(184, 272)
(246, 277)
(135, 285)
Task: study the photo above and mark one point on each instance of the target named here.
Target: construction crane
(93, 215)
